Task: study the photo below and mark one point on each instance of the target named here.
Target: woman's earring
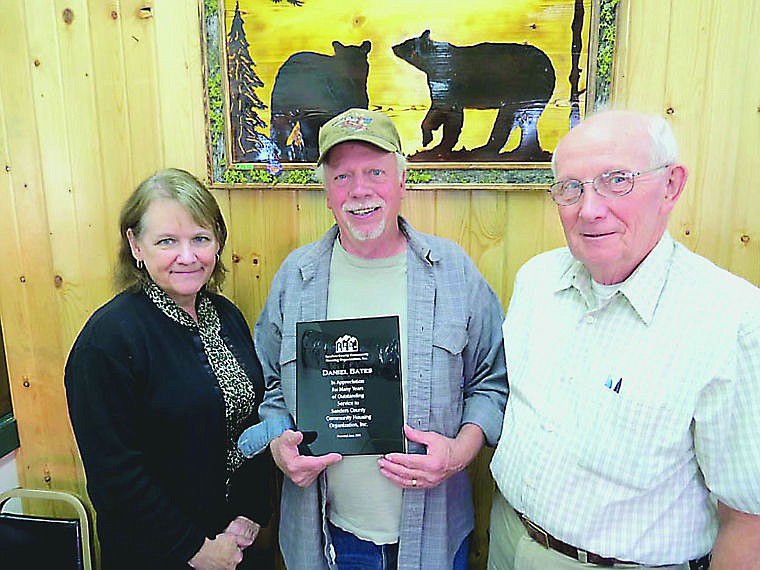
(218, 257)
(139, 264)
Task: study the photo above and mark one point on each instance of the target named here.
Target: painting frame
(223, 172)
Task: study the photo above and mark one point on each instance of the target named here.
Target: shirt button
(590, 320)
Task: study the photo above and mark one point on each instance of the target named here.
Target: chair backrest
(32, 542)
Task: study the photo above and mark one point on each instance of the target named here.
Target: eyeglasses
(612, 184)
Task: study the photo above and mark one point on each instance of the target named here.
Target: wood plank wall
(97, 94)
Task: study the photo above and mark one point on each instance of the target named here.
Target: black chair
(31, 542)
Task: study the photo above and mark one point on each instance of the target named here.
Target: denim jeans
(353, 553)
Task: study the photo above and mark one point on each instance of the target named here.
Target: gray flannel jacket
(456, 375)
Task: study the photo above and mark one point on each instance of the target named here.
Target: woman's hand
(221, 553)
(244, 530)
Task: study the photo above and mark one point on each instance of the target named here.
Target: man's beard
(359, 233)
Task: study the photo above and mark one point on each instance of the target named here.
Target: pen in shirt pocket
(617, 385)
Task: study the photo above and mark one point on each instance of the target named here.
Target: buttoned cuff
(255, 439)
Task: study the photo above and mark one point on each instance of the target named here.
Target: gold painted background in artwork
(275, 31)
(88, 109)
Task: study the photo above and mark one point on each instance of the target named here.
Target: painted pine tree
(248, 143)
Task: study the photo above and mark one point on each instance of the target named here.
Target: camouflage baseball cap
(372, 127)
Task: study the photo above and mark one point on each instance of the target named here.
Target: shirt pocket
(449, 342)
(627, 441)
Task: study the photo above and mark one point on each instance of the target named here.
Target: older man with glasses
(631, 436)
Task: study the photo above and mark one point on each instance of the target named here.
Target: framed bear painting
(476, 85)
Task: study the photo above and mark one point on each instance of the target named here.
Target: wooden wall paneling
(453, 214)
(264, 230)
(69, 125)
(280, 235)
(684, 99)
(222, 197)
(523, 237)
(143, 104)
(706, 81)
(726, 71)
(117, 177)
(731, 39)
(488, 226)
(29, 308)
(180, 84)
(44, 55)
(418, 207)
(687, 222)
(744, 258)
(245, 224)
(553, 235)
(313, 217)
(12, 313)
(640, 71)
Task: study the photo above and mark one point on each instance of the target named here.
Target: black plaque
(348, 386)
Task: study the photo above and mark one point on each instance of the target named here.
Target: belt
(548, 541)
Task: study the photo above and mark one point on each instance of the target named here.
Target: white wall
(8, 473)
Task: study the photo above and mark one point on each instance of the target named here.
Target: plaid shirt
(455, 375)
(626, 420)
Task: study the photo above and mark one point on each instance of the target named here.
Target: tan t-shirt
(360, 499)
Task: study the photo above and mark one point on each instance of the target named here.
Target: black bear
(516, 79)
(309, 90)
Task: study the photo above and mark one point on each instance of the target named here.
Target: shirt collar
(171, 309)
(417, 242)
(643, 287)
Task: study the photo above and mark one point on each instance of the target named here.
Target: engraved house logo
(346, 343)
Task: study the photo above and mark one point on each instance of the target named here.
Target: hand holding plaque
(303, 470)
(348, 386)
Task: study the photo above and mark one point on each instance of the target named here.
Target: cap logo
(354, 123)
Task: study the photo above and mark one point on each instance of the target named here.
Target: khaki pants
(512, 549)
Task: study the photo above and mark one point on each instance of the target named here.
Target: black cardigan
(149, 419)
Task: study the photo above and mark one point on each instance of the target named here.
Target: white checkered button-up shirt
(622, 416)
